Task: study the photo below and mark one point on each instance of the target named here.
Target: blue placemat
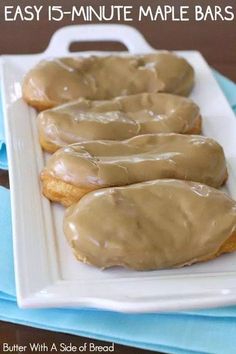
(3, 152)
(206, 331)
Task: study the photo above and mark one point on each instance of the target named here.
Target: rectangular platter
(47, 274)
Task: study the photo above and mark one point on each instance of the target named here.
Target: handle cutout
(107, 46)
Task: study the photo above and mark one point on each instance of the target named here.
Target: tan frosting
(117, 119)
(152, 225)
(98, 164)
(56, 81)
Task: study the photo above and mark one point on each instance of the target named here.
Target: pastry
(56, 81)
(117, 119)
(152, 225)
(80, 168)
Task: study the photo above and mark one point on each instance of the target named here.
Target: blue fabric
(205, 331)
(3, 152)
(228, 87)
(7, 281)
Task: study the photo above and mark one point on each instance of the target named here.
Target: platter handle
(127, 35)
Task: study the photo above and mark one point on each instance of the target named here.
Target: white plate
(47, 274)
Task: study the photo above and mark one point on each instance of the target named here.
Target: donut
(152, 225)
(56, 81)
(117, 119)
(77, 169)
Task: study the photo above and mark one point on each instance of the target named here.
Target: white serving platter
(47, 274)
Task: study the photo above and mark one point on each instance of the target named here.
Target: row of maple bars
(141, 189)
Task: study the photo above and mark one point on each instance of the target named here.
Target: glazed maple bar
(117, 119)
(152, 225)
(80, 168)
(56, 81)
